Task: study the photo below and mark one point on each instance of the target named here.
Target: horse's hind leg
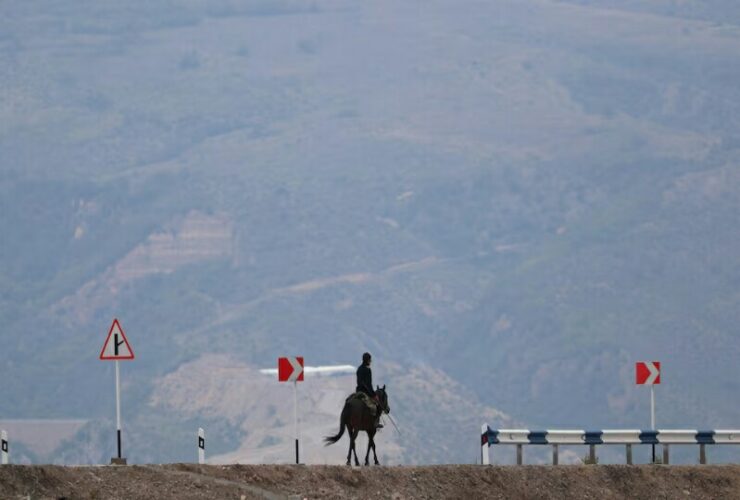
(351, 444)
(354, 448)
(375, 455)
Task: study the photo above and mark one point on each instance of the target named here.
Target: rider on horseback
(365, 386)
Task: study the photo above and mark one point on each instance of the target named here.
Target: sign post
(118, 410)
(652, 406)
(295, 419)
(648, 373)
(290, 369)
(116, 347)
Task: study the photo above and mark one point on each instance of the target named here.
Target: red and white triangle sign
(116, 345)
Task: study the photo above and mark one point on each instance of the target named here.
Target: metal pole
(652, 413)
(629, 454)
(652, 407)
(118, 410)
(702, 454)
(555, 454)
(519, 455)
(295, 418)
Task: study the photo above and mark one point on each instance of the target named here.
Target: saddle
(367, 400)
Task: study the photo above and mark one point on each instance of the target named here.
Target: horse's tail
(342, 421)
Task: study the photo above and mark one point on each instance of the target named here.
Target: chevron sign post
(648, 373)
(290, 369)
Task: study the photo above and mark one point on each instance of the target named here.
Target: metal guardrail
(627, 437)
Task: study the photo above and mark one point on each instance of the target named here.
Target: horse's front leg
(369, 445)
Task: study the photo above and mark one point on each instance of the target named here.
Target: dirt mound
(182, 481)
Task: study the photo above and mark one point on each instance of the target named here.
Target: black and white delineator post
(290, 369)
(3, 447)
(116, 347)
(484, 458)
(201, 446)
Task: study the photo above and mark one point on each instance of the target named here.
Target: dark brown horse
(356, 417)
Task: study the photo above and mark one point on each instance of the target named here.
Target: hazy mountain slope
(527, 196)
(720, 11)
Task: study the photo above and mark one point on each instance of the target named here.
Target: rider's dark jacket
(365, 380)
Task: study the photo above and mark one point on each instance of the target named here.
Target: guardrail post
(592, 453)
(665, 455)
(554, 454)
(629, 454)
(519, 454)
(702, 454)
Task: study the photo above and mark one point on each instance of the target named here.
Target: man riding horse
(365, 390)
(361, 412)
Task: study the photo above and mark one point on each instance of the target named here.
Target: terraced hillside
(507, 202)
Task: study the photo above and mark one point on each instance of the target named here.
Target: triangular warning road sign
(116, 345)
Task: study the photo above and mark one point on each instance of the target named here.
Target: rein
(394, 424)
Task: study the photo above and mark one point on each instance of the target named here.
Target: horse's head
(383, 397)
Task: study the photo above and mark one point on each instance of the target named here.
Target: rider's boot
(378, 425)
(378, 412)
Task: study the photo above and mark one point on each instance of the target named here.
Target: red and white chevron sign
(290, 369)
(647, 372)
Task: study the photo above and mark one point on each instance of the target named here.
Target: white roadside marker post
(201, 446)
(4, 447)
(484, 458)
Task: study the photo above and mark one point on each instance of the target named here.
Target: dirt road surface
(246, 482)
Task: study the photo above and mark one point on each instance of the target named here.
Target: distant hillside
(508, 203)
